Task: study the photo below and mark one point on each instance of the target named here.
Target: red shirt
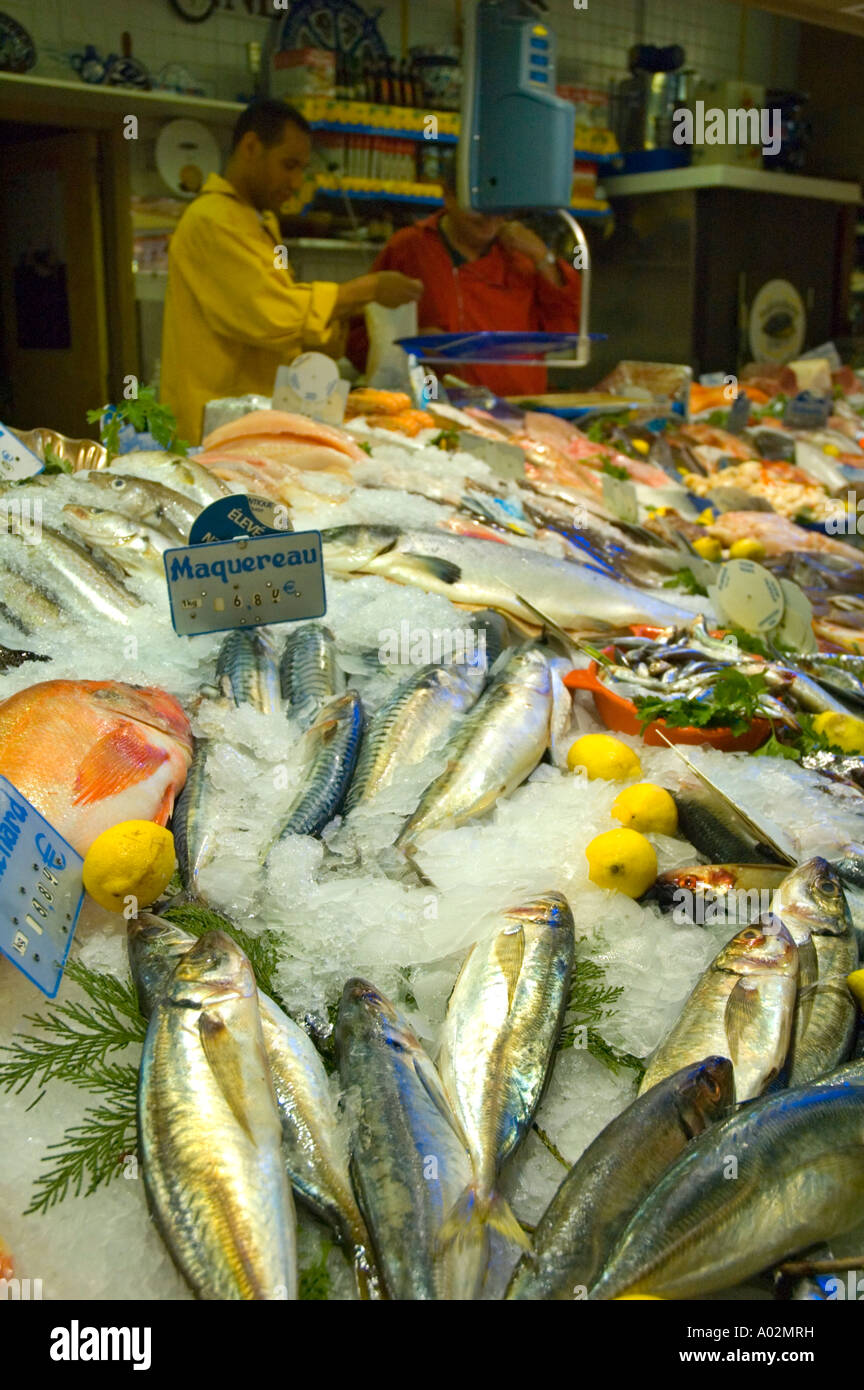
(501, 290)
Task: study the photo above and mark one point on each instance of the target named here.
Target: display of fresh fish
(423, 711)
(409, 1163)
(497, 744)
(309, 675)
(313, 1143)
(778, 534)
(772, 1179)
(616, 1173)
(842, 674)
(479, 573)
(331, 746)
(209, 1131)
(67, 567)
(133, 545)
(246, 669)
(89, 754)
(503, 1021)
(812, 906)
(742, 1008)
(143, 499)
(183, 475)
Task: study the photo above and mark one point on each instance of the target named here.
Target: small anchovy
(333, 743)
(191, 821)
(308, 673)
(246, 669)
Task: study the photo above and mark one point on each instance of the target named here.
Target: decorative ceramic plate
(17, 49)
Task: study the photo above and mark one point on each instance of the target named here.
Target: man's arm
(388, 287)
(558, 291)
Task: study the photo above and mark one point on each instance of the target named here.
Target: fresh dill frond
(314, 1282)
(590, 1004)
(73, 1040)
(91, 1152)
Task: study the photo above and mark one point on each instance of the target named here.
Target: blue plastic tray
(492, 347)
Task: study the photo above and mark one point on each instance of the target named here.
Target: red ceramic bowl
(620, 714)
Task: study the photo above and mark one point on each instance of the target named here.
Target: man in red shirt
(482, 272)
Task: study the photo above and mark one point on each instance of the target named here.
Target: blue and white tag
(231, 518)
(16, 460)
(275, 578)
(40, 891)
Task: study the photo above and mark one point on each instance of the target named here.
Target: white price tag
(620, 498)
(747, 595)
(16, 461)
(40, 891)
(311, 386)
(507, 461)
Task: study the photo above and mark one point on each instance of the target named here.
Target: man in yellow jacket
(233, 311)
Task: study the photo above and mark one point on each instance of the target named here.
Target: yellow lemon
(134, 859)
(843, 730)
(646, 807)
(705, 518)
(708, 548)
(831, 449)
(623, 860)
(855, 981)
(746, 550)
(641, 445)
(601, 755)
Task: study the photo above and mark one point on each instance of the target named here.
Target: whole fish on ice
(209, 1132)
(89, 754)
(480, 573)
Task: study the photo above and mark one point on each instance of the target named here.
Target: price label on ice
(16, 460)
(40, 891)
(240, 583)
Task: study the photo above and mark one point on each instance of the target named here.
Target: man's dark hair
(268, 119)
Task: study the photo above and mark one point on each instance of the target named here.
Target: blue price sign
(40, 891)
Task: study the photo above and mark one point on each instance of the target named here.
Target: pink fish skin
(261, 427)
(90, 754)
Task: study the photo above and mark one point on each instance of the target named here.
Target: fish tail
(475, 1213)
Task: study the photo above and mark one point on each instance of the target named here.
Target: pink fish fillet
(265, 426)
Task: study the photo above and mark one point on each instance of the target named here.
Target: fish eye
(118, 483)
(751, 934)
(828, 887)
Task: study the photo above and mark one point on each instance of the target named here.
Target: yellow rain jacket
(232, 314)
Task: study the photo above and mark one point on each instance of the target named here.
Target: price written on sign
(40, 891)
(274, 578)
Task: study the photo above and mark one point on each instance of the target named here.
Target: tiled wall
(720, 39)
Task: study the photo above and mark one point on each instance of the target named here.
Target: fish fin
(509, 953)
(221, 1054)
(427, 567)
(166, 806)
(473, 1215)
(742, 1007)
(114, 763)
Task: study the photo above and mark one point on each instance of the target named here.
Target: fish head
(811, 901)
(146, 704)
(114, 485)
(364, 1008)
(766, 945)
(704, 1092)
(548, 909)
(357, 545)
(155, 946)
(527, 665)
(211, 972)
